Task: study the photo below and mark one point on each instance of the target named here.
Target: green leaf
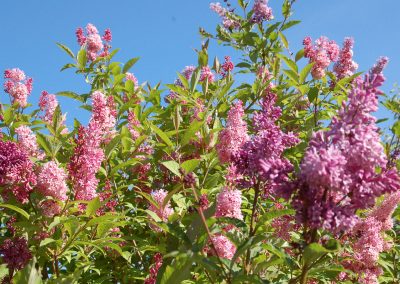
(284, 40)
(172, 166)
(28, 275)
(290, 63)
(93, 206)
(314, 251)
(128, 65)
(164, 137)
(177, 271)
(313, 94)
(123, 165)
(299, 55)
(191, 131)
(190, 165)
(66, 49)
(71, 95)
(304, 72)
(82, 59)
(290, 24)
(396, 128)
(292, 75)
(16, 209)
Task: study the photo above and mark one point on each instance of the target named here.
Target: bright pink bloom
(261, 11)
(48, 104)
(80, 36)
(131, 77)
(27, 140)
(107, 35)
(227, 66)
(157, 263)
(345, 66)
(103, 112)
(229, 202)
(224, 247)
(321, 54)
(86, 161)
(15, 253)
(52, 181)
(206, 74)
(234, 135)
(18, 86)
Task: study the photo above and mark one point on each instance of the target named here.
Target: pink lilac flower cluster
(51, 181)
(107, 196)
(131, 77)
(162, 211)
(338, 173)
(157, 263)
(103, 112)
(345, 66)
(370, 240)
(50, 208)
(227, 66)
(85, 162)
(321, 54)
(95, 47)
(234, 135)
(16, 172)
(261, 12)
(229, 202)
(224, 247)
(27, 141)
(260, 159)
(18, 86)
(15, 253)
(206, 75)
(48, 104)
(227, 19)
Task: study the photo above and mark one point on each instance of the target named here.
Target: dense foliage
(284, 177)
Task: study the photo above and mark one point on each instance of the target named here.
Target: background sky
(164, 33)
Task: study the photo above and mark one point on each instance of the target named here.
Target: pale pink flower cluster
(224, 247)
(27, 140)
(227, 66)
(234, 135)
(48, 104)
(18, 86)
(261, 11)
(229, 202)
(52, 181)
(50, 208)
(321, 54)
(95, 47)
(370, 240)
(206, 75)
(227, 21)
(162, 211)
(345, 66)
(15, 253)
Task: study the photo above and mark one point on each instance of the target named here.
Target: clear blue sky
(163, 34)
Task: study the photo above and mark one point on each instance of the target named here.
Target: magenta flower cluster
(163, 212)
(95, 47)
(338, 173)
(18, 86)
(15, 253)
(16, 172)
(260, 159)
(345, 66)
